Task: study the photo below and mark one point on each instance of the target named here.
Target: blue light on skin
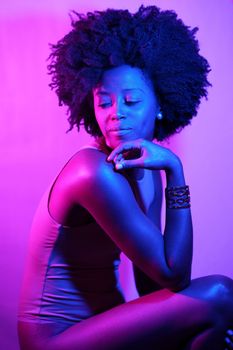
(125, 99)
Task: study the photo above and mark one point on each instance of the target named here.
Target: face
(125, 105)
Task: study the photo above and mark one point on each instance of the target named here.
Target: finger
(230, 334)
(229, 344)
(119, 150)
(229, 338)
(118, 158)
(126, 164)
(123, 147)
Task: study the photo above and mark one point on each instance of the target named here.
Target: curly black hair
(153, 40)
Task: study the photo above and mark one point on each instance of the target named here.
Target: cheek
(100, 118)
(145, 117)
(146, 122)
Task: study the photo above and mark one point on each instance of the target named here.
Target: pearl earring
(159, 116)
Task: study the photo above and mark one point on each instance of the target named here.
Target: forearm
(174, 251)
(178, 232)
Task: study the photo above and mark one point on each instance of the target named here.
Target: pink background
(34, 144)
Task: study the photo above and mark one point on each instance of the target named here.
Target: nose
(118, 115)
(118, 110)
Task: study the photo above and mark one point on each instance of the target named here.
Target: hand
(142, 153)
(229, 340)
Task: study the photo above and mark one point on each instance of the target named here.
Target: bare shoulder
(89, 163)
(91, 172)
(88, 176)
(83, 162)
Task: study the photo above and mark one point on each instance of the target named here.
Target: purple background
(34, 145)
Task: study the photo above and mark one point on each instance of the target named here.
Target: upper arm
(108, 196)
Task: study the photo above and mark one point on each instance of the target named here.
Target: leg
(195, 318)
(217, 290)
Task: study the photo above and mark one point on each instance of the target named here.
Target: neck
(99, 142)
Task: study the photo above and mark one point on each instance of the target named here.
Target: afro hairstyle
(155, 41)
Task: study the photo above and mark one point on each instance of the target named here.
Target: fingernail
(119, 166)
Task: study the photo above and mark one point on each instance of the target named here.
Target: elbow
(176, 283)
(180, 285)
(179, 278)
(172, 279)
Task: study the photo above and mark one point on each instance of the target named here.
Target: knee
(216, 291)
(219, 292)
(219, 288)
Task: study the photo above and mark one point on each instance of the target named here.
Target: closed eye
(107, 104)
(132, 102)
(104, 105)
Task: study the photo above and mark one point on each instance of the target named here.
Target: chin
(113, 142)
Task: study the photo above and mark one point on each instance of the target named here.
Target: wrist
(175, 173)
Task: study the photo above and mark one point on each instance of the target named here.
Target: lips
(119, 128)
(119, 132)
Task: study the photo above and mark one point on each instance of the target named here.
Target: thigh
(160, 320)
(34, 334)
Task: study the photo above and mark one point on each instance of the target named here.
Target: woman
(131, 79)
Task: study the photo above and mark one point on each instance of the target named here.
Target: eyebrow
(103, 92)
